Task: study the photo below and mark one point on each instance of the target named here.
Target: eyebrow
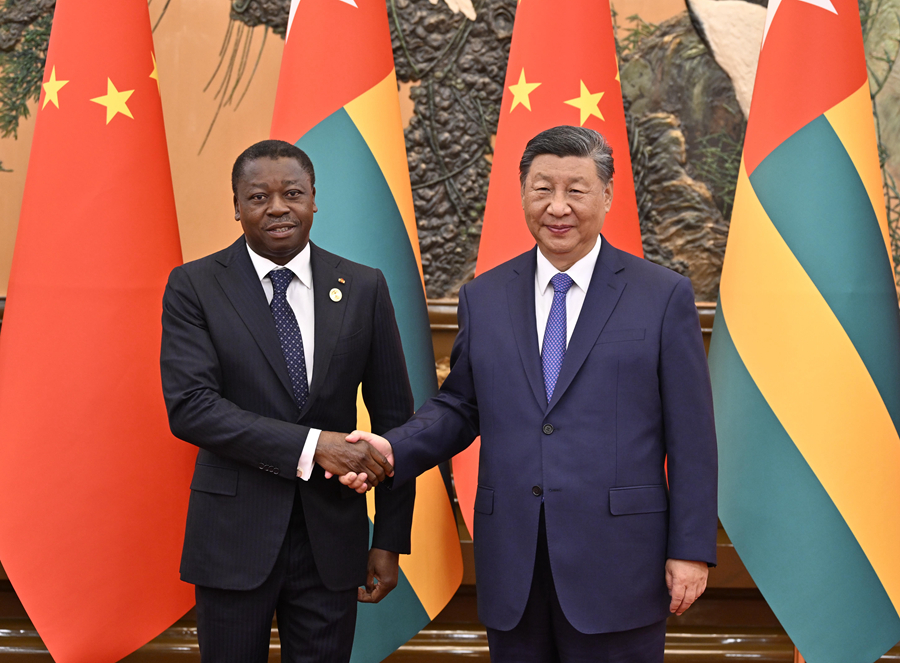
(538, 176)
(262, 185)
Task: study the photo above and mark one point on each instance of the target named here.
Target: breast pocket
(346, 344)
(617, 335)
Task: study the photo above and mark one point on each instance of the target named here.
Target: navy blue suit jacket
(228, 391)
(634, 388)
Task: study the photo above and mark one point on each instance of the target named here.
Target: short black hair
(271, 149)
(566, 141)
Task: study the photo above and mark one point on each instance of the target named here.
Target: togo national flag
(805, 355)
(337, 100)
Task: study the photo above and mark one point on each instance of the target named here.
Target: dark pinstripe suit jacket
(227, 391)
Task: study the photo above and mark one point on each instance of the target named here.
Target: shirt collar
(581, 272)
(299, 264)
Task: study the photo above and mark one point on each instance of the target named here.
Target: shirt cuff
(305, 466)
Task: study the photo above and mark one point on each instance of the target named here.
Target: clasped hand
(359, 461)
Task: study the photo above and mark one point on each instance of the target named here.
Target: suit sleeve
(448, 422)
(193, 385)
(389, 400)
(690, 432)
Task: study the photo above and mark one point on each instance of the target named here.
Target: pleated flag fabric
(562, 70)
(805, 353)
(93, 486)
(337, 100)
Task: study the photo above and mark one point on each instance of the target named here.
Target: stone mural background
(685, 86)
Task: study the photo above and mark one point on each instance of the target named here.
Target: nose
(559, 206)
(277, 206)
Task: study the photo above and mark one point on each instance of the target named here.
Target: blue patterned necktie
(553, 350)
(289, 333)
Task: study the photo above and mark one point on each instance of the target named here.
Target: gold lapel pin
(341, 281)
(335, 295)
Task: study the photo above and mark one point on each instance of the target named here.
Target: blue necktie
(289, 333)
(553, 350)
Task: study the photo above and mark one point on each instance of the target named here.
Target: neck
(564, 261)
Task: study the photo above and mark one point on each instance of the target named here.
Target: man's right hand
(355, 480)
(363, 461)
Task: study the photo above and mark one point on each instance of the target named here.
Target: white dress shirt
(581, 273)
(300, 298)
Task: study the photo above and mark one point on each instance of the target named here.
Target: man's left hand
(686, 581)
(384, 566)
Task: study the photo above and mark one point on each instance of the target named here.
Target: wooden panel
(747, 634)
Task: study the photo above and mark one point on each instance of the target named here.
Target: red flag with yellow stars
(562, 70)
(93, 486)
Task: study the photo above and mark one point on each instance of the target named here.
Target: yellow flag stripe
(813, 379)
(852, 121)
(435, 569)
(373, 113)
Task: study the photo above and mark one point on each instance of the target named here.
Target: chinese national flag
(574, 80)
(93, 487)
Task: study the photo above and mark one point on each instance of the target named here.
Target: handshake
(361, 460)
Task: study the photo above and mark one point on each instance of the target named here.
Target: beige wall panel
(187, 43)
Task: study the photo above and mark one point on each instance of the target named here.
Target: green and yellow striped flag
(337, 100)
(805, 355)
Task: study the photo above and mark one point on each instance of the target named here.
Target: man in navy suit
(264, 347)
(582, 368)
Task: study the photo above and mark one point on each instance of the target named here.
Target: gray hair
(566, 141)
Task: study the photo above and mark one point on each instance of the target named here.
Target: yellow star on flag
(154, 74)
(51, 89)
(587, 103)
(114, 101)
(521, 90)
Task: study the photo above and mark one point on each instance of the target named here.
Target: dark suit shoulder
(500, 275)
(210, 263)
(341, 264)
(634, 268)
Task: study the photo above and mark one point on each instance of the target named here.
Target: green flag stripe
(358, 219)
(787, 531)
(383, 627)
(814, 196)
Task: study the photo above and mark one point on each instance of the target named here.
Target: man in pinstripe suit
(257, 366)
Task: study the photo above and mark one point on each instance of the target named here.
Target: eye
(257, 197)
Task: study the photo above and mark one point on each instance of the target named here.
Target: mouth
(558, 229)
(282, 229)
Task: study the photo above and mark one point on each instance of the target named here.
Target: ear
(237, 211)
(315, 207)
(608, 194)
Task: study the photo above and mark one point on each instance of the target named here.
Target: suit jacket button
(536, 491)
(275, 470)
(262, 466)
(548, 429)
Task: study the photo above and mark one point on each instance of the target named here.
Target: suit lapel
(602, 296)
(329, 314)
(520, 296)
(243, 288)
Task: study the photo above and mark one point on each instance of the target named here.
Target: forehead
(268, 170)
(550, 166)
